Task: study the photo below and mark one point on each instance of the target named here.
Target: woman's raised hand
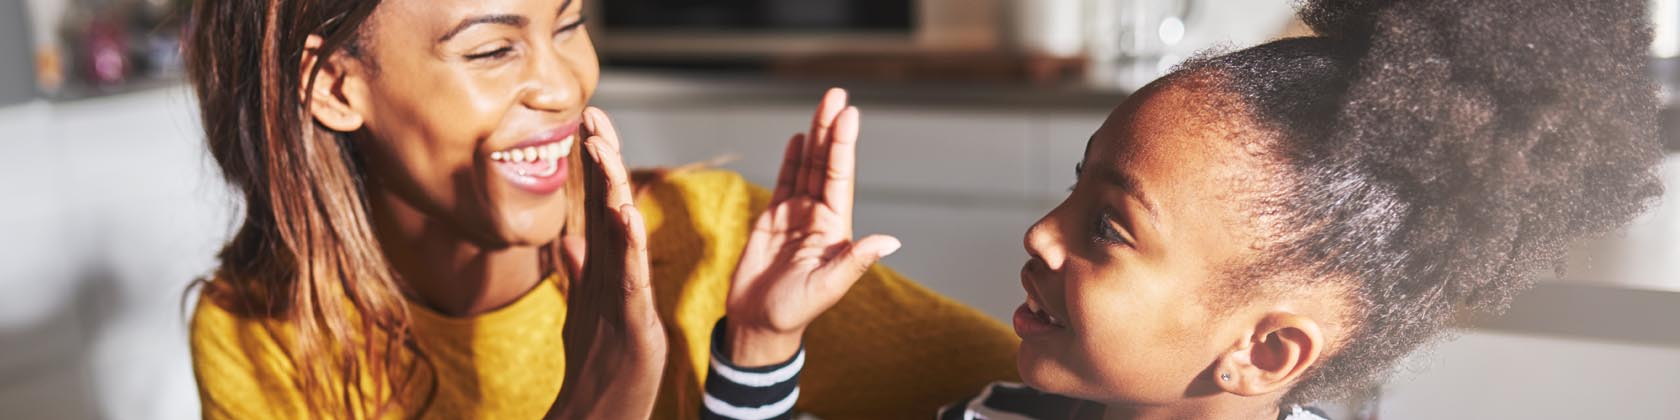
(615, 344)
(800, 258)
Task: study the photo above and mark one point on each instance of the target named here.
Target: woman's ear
(1282, 347)
(339, 97)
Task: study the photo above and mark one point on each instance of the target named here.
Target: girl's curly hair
(1442, 153)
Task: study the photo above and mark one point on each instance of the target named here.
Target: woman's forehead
(426, 17)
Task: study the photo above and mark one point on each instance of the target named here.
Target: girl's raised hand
(800, 258)
(615, 343)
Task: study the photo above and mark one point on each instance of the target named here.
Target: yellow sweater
(890, 349)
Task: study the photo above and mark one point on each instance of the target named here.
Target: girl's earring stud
(1224, 376)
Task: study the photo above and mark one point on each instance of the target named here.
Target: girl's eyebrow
(1124, 181)
(516, 21)
(1131, 186)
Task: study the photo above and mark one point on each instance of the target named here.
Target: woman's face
(473, 112)
(1122, 275)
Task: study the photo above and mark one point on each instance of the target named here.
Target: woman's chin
(531, 228)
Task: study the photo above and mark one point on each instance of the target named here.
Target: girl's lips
(1029, 323)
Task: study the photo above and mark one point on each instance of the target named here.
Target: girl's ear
(1282, 347)
(340, 96)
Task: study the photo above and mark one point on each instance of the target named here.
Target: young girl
(414, 240)
(1281, 224)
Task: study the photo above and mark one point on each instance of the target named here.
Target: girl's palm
(800, 258)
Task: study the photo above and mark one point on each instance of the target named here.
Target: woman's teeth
(551, 151)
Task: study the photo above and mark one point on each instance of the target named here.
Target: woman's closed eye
(489, 54)
(566, 31)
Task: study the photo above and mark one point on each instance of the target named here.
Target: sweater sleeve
(738, 393)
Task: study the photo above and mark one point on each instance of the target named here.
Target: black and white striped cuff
(760, 393)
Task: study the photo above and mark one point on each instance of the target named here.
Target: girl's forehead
(1191, 161)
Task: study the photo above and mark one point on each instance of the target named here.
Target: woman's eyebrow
(516, 21)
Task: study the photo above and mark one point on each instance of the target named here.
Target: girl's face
(472, 111)
(1123, 275)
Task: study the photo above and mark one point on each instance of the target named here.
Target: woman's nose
(551, 86)
(1044, 243)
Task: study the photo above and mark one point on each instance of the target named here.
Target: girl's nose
(1044, 242)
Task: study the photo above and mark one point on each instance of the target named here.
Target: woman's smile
(538, 164)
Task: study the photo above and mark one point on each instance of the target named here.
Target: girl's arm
(799, 261)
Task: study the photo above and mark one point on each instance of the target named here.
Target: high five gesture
(800, 258)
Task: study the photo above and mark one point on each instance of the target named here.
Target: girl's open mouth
(538, 166)
(1032, 320)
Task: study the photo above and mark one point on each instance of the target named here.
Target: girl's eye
(566, 32)
(490, 55)
(1106, 234)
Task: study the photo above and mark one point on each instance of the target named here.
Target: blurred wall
(17, 74)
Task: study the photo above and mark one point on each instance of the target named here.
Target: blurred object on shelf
(1047, 27)
(99, 47)
(50, 67)
(932, 67)
(1132, 42)
(103, 55)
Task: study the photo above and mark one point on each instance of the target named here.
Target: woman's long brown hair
(306, 250)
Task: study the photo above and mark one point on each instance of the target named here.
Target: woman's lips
(538, 167)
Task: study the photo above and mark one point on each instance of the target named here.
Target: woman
(408, 170)
(1283, 224)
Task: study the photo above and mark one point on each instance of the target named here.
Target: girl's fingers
(836, 276)
(816, 143)
(789, 174)
(841, 168)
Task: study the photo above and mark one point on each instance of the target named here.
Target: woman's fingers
(789, 174)
(615, 178)
(638, 281)
(603, 126)
(840, 168)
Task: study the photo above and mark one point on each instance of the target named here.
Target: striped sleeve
(738, 393)
(1014, 401)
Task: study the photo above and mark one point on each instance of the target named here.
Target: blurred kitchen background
(974, 113)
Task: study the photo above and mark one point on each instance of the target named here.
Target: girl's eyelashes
(1078, 170)
(1106, 234)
